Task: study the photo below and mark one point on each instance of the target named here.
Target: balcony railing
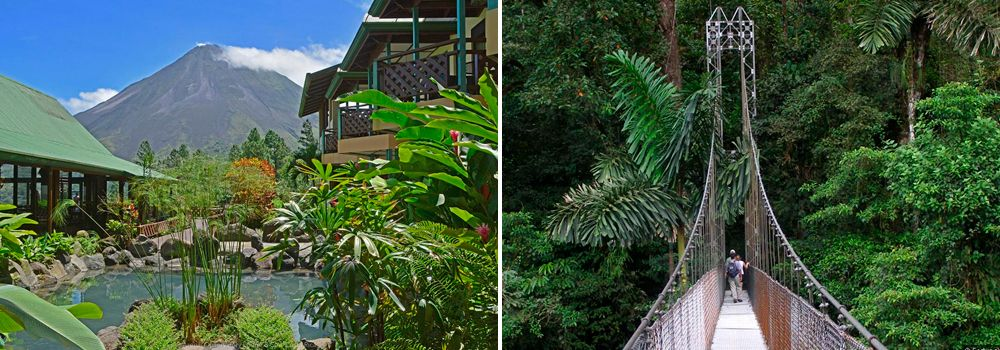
(401, 76)
(356, 121)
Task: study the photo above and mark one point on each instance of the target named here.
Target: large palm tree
(972, 26)
(633, 198)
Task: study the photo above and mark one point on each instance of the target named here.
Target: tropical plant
(390, 279)
(639, 194)
(971, 26)
(11, 244)
(21, 310)
(447, 156)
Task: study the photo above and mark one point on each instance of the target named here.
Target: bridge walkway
(737, 327)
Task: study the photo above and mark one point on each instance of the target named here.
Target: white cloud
(293, 64)
(86, 100)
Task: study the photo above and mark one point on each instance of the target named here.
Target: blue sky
(83, 52)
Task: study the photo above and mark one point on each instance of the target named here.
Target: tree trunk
(668, 23)
(920, 37)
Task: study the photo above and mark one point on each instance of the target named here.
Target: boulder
(239, 233)
(287, 263)
(269, 231)
(76, 249)
(82, 234)
(220, 347)
(39, 268)
(136, 263)
(94, 262)
(26, 276)
(174, 248)
(57, 269)
(77, 262)
(173, 264)
(109, 337)
(109, 250)
(154, 260)
(71, 270)
(317, 344)
(142, 246)
(303, 238)
(305, 254)
(118, 258)
(244, 257)
(192, 347)
(263, 262)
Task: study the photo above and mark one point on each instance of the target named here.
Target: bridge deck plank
(737, 327)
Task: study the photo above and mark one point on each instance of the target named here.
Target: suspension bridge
(787, 307)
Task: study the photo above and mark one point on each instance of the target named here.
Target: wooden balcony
(356, 121)
(406, 78)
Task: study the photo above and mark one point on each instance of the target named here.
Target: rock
(303, 238)
(192, 347)
(263, 262)
(136, 263)
(45, 280)
(142, 246)
(109, 250)
(268, 231)
(317, 344)
(26, 276)
(77, 262)
(118, 258)
(174, 248)
(109, 337)
(82, 233)
(305, 254)
(153, 260)
(287, 263)
(94, 262)
(220, 347)
(76, 249)
(173, 264)
(57, 269)
(245, 256)
(257, 242)
(39, 268)
(207, 242)
(71, 270)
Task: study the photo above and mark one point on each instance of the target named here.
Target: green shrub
(264, 328)
(90, 244)
(149, 328)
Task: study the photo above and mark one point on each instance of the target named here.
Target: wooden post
(53, 193)
(324, 115)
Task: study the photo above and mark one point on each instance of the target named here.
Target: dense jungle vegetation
(879, 133)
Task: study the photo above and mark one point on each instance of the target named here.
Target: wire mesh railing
(793, 309)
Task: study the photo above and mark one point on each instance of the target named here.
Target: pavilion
(46, 156)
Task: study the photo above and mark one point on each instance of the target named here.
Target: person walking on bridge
(734, 273)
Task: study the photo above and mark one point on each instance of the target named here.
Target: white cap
(732, 251)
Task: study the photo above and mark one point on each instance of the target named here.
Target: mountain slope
(198, 100)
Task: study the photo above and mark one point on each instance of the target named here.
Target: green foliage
(554, 76)
(447, 156)
(564, 296)
(263, 328)
(149, 327)
(934, 201)
(391, 278)
(21, 309)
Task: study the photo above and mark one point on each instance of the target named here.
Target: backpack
(732, 270)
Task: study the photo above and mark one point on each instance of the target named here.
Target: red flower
(454, 135)
(333, 202)
(484, 232)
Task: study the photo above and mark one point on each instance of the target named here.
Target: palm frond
(61, 211)
(619, 213)
(973, 26)
(659, 124)
(613, 165)
(884, 23)
(735, 180)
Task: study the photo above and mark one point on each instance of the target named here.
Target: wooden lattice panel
(356, 122)
(406, 80)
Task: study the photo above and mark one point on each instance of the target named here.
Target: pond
(115, 291)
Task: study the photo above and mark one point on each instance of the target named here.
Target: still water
(114, 292)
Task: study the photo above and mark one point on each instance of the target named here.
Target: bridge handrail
(692, 233)
(840, 308)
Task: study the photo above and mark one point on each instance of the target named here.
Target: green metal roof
(396, 31)
(340, 77)
(35, 129)
(315, 86)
